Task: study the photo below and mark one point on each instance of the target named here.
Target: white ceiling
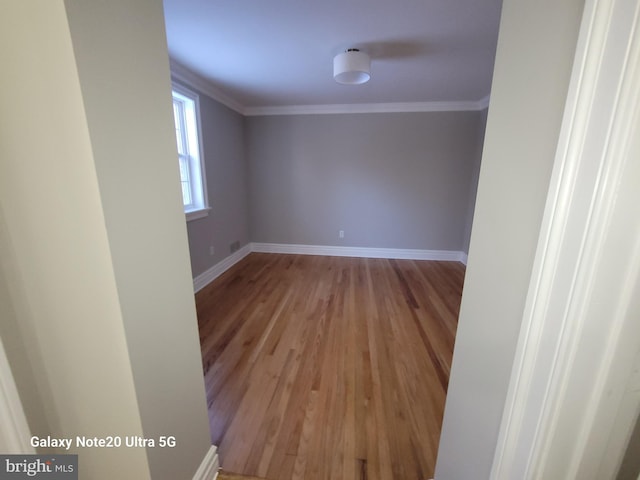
(274, 53)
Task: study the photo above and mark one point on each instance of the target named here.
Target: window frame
(197, 171)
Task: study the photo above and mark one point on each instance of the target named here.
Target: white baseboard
(208, 469)
(219, 268)
(397, 253)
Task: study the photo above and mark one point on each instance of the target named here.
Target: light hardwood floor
(323, 368)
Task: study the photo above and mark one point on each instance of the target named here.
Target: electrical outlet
(212, 250)
(341, 234)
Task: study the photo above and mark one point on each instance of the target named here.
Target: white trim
(14, 434)
(219, 268)
(566, 380)
(196, 214)
(405, 107)
(337, 251)
(208, 469)
(184, 75)
(198, 172)
(484, 102)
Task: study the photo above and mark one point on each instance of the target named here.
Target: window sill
(195, 214)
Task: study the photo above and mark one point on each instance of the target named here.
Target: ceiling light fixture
(352, 67)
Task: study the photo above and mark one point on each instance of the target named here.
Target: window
(192, 176)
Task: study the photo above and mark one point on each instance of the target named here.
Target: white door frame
(581, 327)
(14, 434)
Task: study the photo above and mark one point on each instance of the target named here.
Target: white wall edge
(14, 434)
(362, 252)
(555, 325)
(219, 268)
(463, 258)
(208, 469)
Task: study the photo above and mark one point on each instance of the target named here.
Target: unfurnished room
(328, 247)
(346, 240)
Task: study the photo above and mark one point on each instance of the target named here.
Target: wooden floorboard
(322, 368)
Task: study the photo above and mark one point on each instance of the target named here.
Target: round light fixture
(352, 67)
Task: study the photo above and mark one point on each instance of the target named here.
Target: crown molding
(402, 107)
(183, 75)
(483, 102)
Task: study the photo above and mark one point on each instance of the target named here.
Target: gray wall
(226, 170)
(126, 93)
(535, 53)
(394, 180)
(473, 184)
(94, 265)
